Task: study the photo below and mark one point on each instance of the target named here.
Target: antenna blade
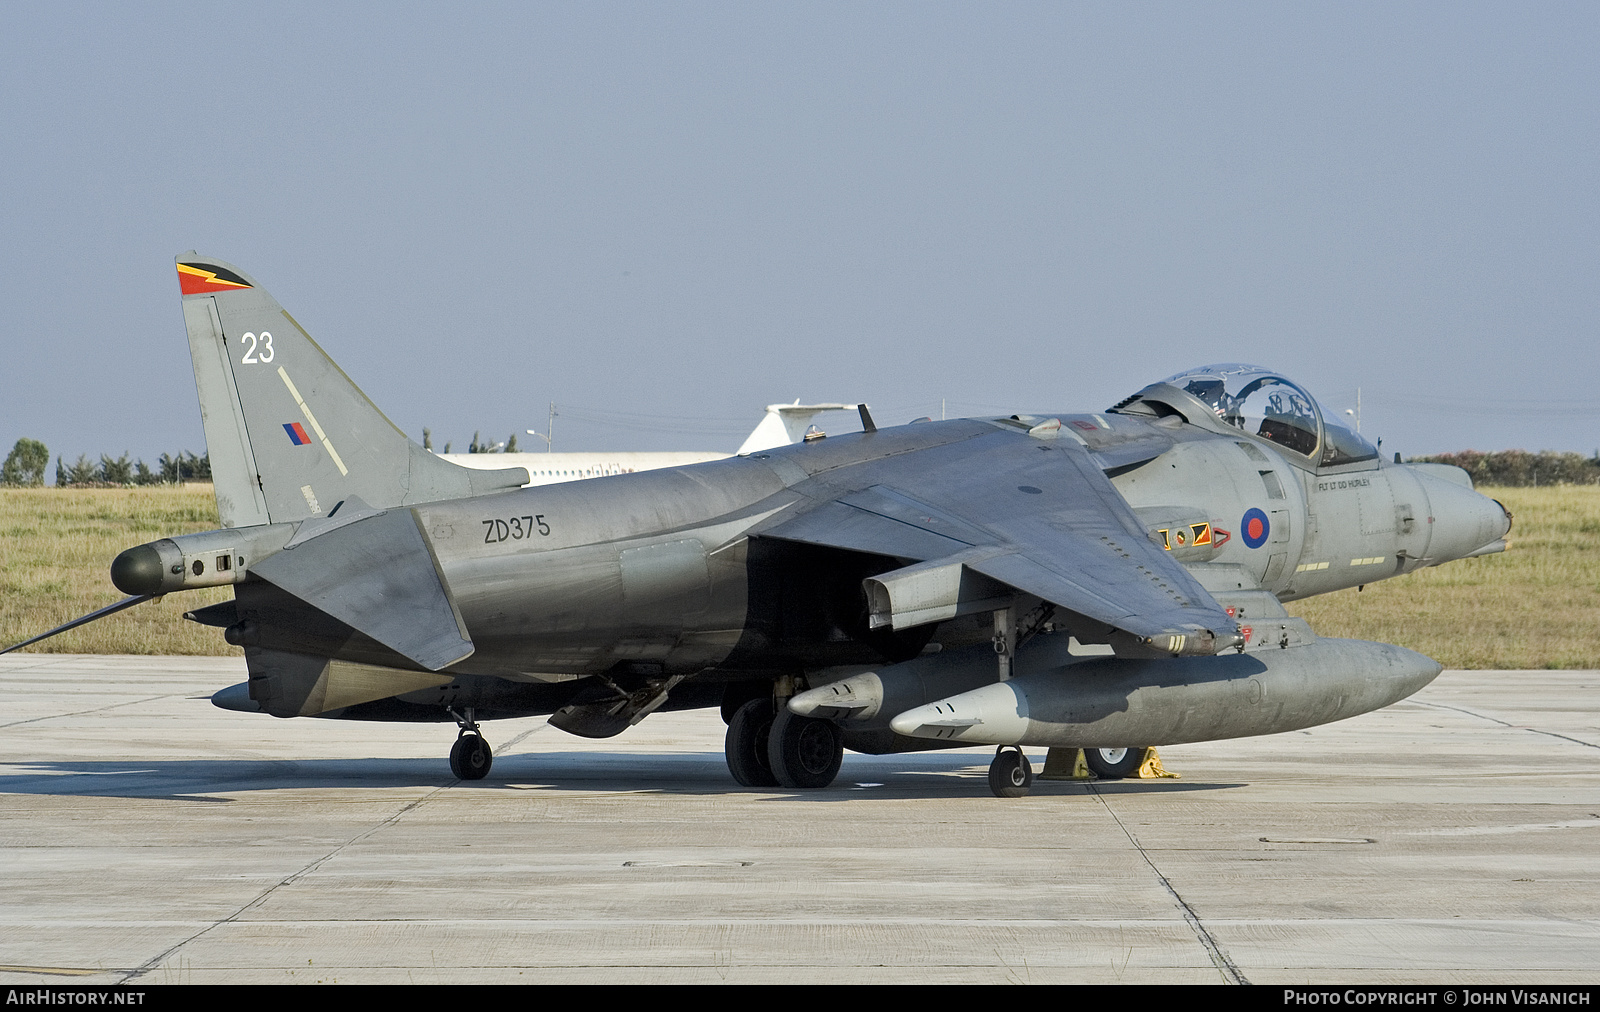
(110, 609)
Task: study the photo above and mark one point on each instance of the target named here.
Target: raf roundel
(1255, 528)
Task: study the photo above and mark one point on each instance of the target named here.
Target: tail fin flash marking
(264, 477)
(326, 442)
(196, 280)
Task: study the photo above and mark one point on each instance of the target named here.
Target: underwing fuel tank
(1113, 702)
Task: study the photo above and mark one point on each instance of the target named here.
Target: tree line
(1521, 468)
(28, 460)
(476, 446)
(26, 464)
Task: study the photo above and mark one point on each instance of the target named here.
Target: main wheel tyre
(1010, 774)
(804, 751)
(1114, 763)
(470, 757)
(746, 744)
(736, 694)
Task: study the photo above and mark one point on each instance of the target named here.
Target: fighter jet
(1107, 580)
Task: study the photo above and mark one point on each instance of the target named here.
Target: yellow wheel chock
(1069, 764)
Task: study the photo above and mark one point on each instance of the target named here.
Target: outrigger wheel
(470, 756)
(1010, 774)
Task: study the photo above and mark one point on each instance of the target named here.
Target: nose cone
(1462, 520)
(1506, 514)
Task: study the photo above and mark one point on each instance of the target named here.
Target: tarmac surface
(149, 837)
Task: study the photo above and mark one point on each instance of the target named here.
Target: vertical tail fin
(784, 424)
(288, 433)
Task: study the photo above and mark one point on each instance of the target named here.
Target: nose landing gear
(1115, 763)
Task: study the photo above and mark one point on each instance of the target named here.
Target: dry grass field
(1535, 606)
(56, 547)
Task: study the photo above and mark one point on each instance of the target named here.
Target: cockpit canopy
(1257, 402)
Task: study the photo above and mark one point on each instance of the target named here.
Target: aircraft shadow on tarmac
(694, 773)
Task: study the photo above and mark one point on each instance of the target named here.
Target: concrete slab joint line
(1219, 959)
(1507, 724)
(161, 957)
(92, 709)
(242, 849)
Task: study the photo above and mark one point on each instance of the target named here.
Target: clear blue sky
(664, 216)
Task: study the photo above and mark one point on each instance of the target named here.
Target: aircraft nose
(1507, 517)
(1463, 521)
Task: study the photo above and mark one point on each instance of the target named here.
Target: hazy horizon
(663, 218)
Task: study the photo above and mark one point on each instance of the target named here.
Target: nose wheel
(1010, 774)
(470, 756)
(1115, 763)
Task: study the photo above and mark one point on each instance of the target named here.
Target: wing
(1001, 513)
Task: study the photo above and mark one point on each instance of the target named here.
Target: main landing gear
(767, 746)
(470, 756)
(746, 744)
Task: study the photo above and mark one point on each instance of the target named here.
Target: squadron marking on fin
(194, 279)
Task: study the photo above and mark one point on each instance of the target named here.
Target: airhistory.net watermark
(72, 996)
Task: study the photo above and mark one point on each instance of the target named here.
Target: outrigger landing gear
(470, 756)
(1010, 774)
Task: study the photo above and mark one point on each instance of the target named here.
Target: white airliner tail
(784, 424)
(781, 425)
